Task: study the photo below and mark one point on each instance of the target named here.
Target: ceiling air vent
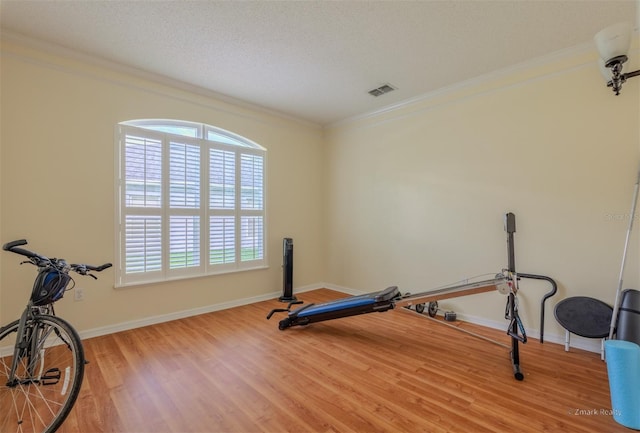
(385, 88)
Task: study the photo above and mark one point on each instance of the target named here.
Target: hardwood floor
(234, 371)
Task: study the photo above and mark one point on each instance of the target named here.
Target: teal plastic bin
(623, 368)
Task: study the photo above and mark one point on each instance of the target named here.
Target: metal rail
(501, 284)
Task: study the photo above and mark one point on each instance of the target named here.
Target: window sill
(182, 278)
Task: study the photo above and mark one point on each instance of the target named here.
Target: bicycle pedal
(51, 376)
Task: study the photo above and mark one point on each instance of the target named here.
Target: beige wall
(413, 197)
(57, 164)
(416, 196)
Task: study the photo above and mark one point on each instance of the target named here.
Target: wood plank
(234, 371)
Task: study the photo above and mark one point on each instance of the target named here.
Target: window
(191, 201)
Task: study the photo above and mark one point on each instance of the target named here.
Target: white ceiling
(316, 60)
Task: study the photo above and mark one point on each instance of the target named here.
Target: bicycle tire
(48, 381)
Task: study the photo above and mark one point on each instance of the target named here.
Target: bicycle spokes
(40, 390)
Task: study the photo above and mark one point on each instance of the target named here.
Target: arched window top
(194, 130)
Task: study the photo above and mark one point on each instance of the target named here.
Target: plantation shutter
(222, 202)
(188, 206)
(251, 221)
(143, 202)
(184, 204)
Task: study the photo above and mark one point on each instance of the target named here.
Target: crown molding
(481, 82)
(92, 60)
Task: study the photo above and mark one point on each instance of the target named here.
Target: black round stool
(584, 316)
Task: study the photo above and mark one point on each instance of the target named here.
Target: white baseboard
(342, 289)
(152, 320)
(590, 345)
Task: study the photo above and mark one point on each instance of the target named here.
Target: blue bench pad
(347, 303)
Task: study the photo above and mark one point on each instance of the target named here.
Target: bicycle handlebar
(13, 247)
(13, 244)
(40, 260)
(95, 268)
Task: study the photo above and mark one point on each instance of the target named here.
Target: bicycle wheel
(50, 369)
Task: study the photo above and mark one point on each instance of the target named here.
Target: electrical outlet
(78, 294)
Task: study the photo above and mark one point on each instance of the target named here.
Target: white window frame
(220, 140)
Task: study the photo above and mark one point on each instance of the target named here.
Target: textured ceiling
(316, 60)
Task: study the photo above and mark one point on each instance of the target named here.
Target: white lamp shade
(613, 41)
(606, 72)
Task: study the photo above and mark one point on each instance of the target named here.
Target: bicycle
(40, 378)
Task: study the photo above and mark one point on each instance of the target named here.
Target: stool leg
(566, 341)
